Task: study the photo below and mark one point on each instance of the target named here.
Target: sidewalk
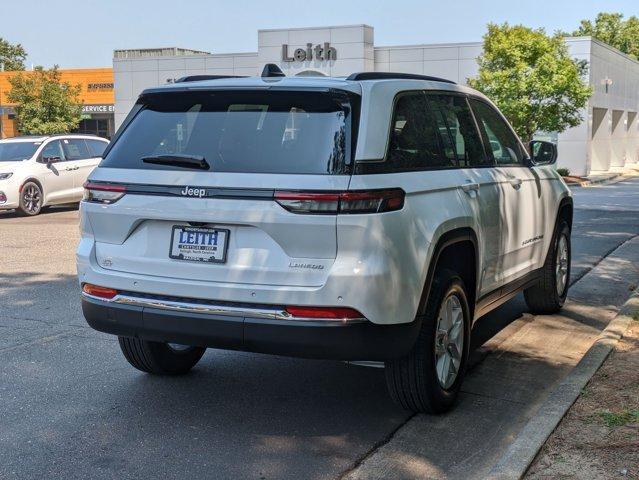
(603, 177)
(524, 363)
(599, 436)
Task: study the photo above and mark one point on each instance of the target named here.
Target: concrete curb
(522, 451)
(598, 181)
(613, 178)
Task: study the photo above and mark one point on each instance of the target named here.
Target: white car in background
(37, 171)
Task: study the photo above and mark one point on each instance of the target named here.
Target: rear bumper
(360, 340)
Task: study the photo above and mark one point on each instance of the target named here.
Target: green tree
(532, 79)
(44, 104)
(12, 56)
(612, 29)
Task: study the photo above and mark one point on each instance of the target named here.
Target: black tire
(159, 358)
(545, 298)
(412, 380)
(30, 199)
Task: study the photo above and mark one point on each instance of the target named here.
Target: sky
(84, 33)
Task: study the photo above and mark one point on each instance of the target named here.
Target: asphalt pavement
(71, 407)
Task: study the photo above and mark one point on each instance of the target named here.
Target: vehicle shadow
(244, 415)
(67, 207)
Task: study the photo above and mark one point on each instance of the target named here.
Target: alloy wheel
(561, 265)
(31, 198)
(449, 341)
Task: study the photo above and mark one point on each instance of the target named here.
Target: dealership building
(96, 97)
(607, 140)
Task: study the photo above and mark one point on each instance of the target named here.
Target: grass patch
(612, 419)
(635, 316)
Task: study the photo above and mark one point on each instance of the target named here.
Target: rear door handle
(470, 187)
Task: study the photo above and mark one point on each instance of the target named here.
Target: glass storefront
(101, 125)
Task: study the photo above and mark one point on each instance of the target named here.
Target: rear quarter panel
(391, 251)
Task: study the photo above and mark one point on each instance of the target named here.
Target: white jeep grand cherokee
(369, 218)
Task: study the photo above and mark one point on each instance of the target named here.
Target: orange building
(96, 95)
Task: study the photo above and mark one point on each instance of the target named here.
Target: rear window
(241, 131)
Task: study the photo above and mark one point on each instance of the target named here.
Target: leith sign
(317, 52)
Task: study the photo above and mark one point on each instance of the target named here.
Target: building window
(94, 126)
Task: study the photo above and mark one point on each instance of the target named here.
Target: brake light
(334, 313)
(357, 201)
(103, 192)
(373, 201)
(97, 291)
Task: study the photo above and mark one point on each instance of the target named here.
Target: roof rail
(197, 78)
(397, 76)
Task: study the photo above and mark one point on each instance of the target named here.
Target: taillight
(308, 202)
(100, 292)
(103, 192)
(333, 313)
(372, 201)
(357, 201)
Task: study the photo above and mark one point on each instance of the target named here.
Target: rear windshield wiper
(176, 160)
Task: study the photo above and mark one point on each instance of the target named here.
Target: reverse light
(103, 192)
(333, 313)
(100, 292)
(350, 202)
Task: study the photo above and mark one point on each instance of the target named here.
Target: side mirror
(542, 153)
(50, 160)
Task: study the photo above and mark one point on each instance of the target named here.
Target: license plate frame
(195, 258)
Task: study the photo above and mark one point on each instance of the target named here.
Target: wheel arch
(34, 180)
(38, 183)
(457, 249)
(565, 211)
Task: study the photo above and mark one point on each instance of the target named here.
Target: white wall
(132, 75)
(456, 62)
(633, 138)
(354, 45)
(614, 145)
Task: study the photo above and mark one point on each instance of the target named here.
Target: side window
(466, 143)
(415, 139)
(96, 147)
(500, 141)
(75, 149)
(52, 150)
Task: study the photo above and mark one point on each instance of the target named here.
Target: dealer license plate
(199, 244)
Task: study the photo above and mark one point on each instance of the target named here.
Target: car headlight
(4, 176)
